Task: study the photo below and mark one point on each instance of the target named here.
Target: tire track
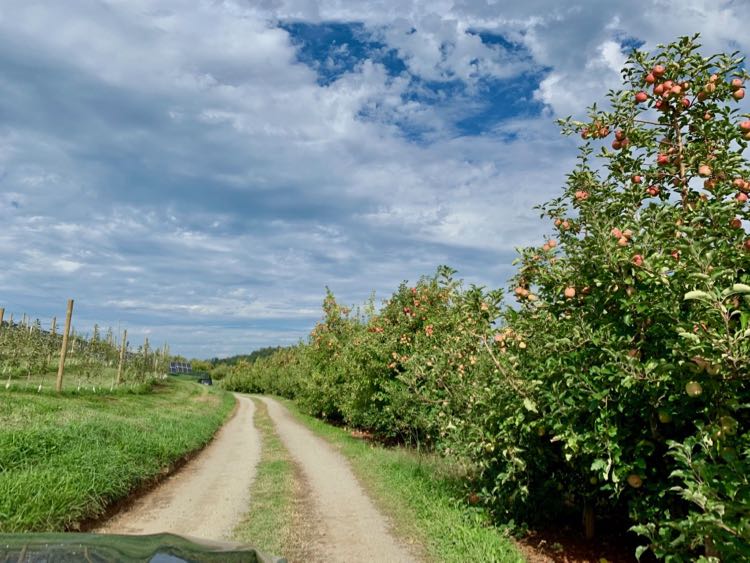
(349, 527)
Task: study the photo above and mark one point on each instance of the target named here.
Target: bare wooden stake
(54, 326)
(2, 314)
(64, 348)
(122, 356)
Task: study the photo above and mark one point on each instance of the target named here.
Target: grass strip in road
(278, 521)
(267, 524)
(64, 459)
(421, 495)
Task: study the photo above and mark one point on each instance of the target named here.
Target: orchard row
(617, 388)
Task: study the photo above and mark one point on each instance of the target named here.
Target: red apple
(738, 94)
(736, 84)
(637, 260)
(637, 179)
(641, 97)
(617, 145)
(662, 159)
(635, 481)
(736, 223)
(745, 126)
(704, 170)
(581, 195)
(622, 241)
(617, 233)
(570, 292)
(686, 102)
(747, 245)
(653, 191)
(650, 78)
(741, 197)
(658, 70)
(658, 89)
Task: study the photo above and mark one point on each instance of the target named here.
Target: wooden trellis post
(64, 348)
(2, 314)
(122, 356)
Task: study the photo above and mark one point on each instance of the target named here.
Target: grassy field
(63, 459)
(423, 497)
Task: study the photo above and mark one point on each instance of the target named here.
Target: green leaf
(530, 405)
(697, 294)
(689, 336)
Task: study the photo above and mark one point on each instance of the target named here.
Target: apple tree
(634, 317)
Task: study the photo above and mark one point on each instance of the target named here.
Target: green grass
(64, 459)
(99, 379)
(422, 495)
(268, 524)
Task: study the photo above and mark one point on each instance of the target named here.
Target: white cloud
(174, 158)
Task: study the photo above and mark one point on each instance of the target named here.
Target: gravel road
(209, 495)
(347, 525)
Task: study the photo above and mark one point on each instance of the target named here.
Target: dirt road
(208, 496)
(347, 525)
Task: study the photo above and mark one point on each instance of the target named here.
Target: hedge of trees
(617, 383)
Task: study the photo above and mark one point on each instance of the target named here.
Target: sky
(199, 171)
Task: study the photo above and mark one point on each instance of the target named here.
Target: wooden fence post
(54, 326)
(64, 349)
(122, 355)
(2, 314)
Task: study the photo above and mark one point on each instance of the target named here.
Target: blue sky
(200, 171)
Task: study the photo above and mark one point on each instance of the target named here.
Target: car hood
(100, 548)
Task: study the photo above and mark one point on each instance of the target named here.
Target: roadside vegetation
(615, 391)
(65, 458)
